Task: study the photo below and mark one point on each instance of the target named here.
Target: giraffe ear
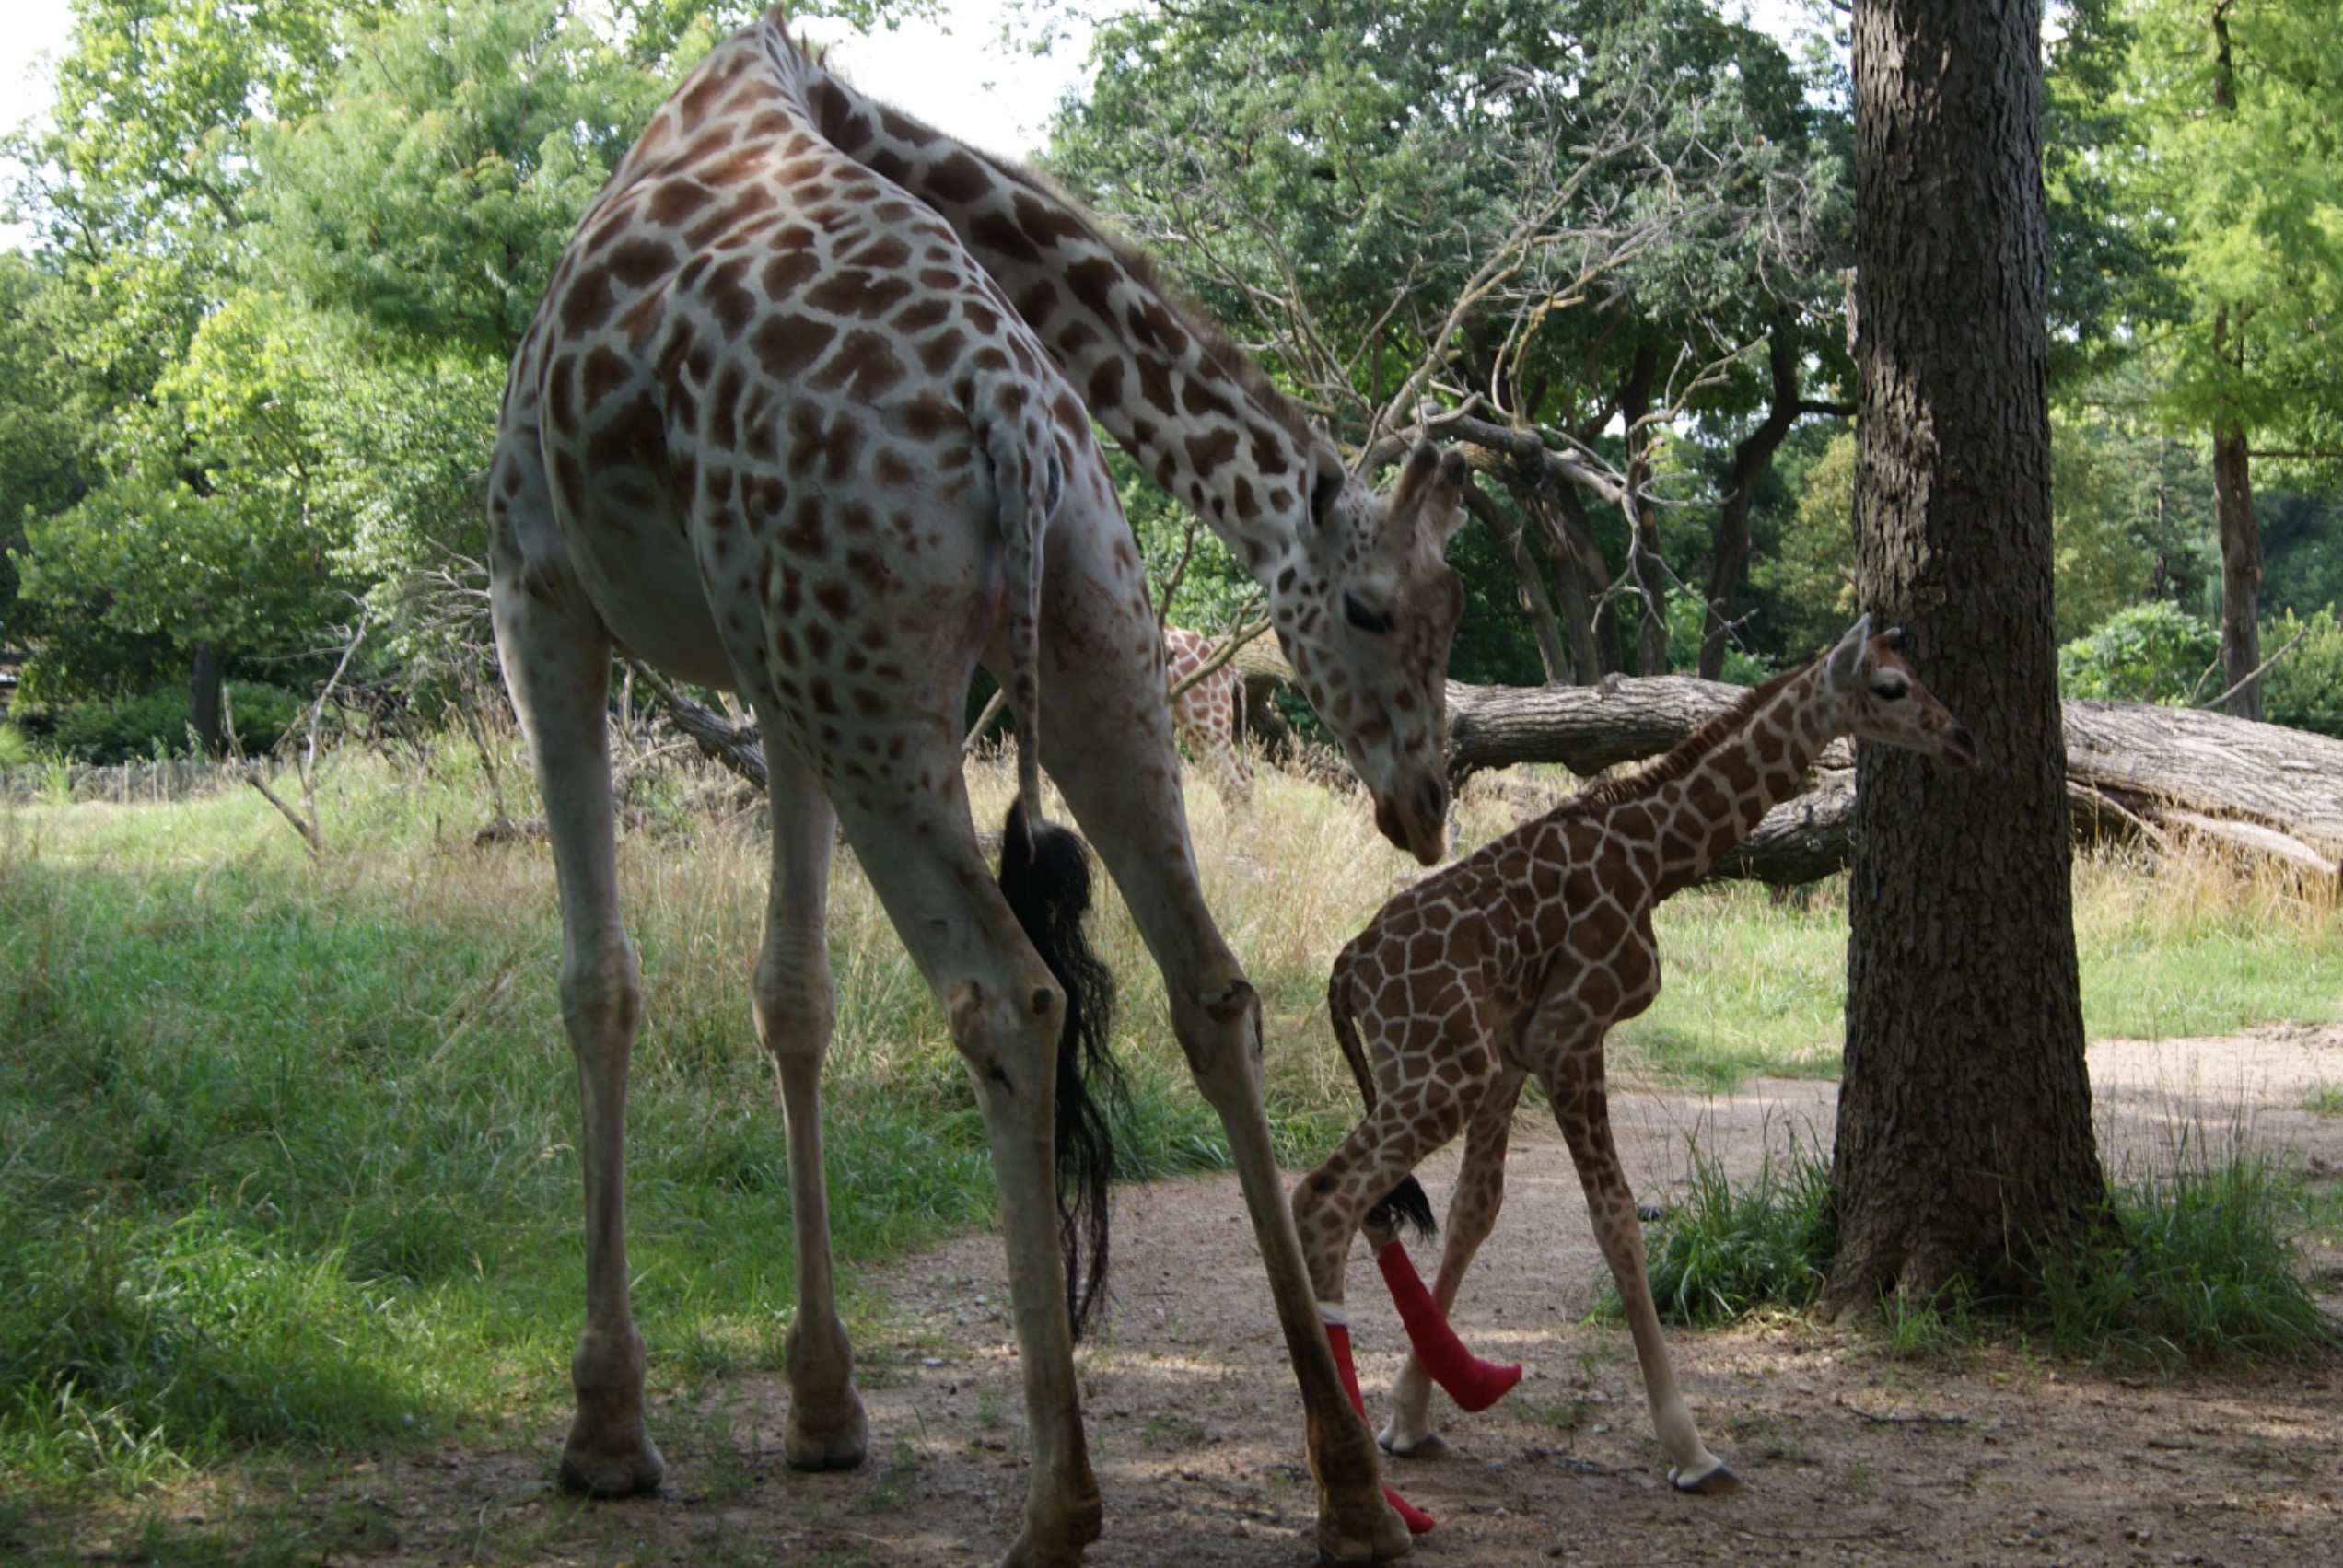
(1846, 660)
(1327, 476)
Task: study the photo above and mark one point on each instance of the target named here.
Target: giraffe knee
(601, 997)
(796, 1009)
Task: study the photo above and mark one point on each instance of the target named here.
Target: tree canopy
(249, 363)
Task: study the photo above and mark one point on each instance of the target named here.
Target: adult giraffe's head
(1366, 609)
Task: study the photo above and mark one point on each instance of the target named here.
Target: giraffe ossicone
(1518, 959)
(784, 426)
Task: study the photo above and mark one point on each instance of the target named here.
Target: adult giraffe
(775, 428)
(1207, 713)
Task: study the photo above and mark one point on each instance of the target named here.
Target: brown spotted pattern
(1205, 715)
(1518, 959)
(1358, 594)
(777, 428)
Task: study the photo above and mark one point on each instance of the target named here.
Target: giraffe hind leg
(1473, 1207)
(556, 661)
(1574, 1084)
(796, 1010)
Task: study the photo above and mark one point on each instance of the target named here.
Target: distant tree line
(282, 251)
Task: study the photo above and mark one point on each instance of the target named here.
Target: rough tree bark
(2239, 531)
(1579, 577)
(1643, 540)
(1529, 584)
(2241, 548)
(1964, 1145)
(203, 695)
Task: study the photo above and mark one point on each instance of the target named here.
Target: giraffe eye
(1366, 616)
(1889, 690)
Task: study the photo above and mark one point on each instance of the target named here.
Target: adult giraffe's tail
(1406, 1207)
(1045, 872)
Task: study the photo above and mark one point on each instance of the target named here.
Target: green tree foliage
(2305, 688)
(2147, 653)
(1805, 581)
(432, 190)
(1531, 212)
(2109, 263)
(2239, 108)
(220, 526)
(52, 414)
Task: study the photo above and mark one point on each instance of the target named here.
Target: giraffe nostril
(1435, 798)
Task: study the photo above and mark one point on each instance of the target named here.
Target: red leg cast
(1473, 1383)
(1338, 1336)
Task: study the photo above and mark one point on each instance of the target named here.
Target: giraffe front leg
(1109, 749)
(1575, 1086)
(796, 1008)
(1108, 744)
(557, 667)
(1472, 1214)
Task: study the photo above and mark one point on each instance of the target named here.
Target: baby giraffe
(1518, 959)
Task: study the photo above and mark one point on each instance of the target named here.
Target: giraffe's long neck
(1690, 809)
(1209, 430)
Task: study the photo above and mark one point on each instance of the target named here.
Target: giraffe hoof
(1381, 1541)
(1714, 1482)
(613, 1474)
(838, 1442)
(1430, 1445)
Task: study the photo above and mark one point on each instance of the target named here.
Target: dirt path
(1852, 1455)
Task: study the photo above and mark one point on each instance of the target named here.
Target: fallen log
(2169, 774)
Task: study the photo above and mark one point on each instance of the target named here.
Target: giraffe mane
(1686, 754)
(1220, 349)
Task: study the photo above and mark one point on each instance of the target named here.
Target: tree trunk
(1964, 1144)
(1528, 585)
(1579, 575)
(2241, 548)
(1644, 562)
(1749, 459)
(2133, 770)
(204, 696)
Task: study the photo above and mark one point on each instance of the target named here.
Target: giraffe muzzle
(1416, 818)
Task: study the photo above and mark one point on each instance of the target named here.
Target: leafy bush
(156, 723)
(2305, 687)
(1723, 1252)
(2147, 653)
(14, 750)
(2199, 1262)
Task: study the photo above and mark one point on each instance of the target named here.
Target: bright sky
(954, 72)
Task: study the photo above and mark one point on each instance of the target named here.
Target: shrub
(2199, 1263)
(134, 728)
(2305, 687)
(1723, 1252)
(2147, 653)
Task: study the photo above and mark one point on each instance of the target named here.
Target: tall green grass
(2200, 1262)
(287, 1157)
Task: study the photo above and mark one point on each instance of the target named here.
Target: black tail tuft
(1406, 1207)
(1046, 880)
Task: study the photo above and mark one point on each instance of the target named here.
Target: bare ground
(1852, 1455)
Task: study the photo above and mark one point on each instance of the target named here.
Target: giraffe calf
(1517, 960)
